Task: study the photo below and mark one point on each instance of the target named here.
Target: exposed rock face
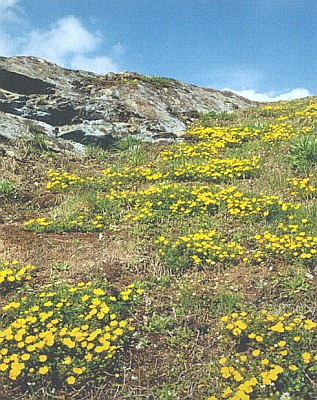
(87, 108)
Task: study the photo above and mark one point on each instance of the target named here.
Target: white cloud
(9, 15)
(67, 42)
(66, 38)
(9, 11)
(119, 49)
(6, 44)
(241, 79)
(99, 65)
(5, 4)
(251, 94)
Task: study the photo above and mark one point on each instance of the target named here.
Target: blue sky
(263, 49)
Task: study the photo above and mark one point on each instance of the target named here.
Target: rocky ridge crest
(86, 108)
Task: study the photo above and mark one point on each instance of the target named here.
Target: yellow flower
(67, 360)
(3, 367)
(236, 331)
(88, 357)
(306, 357)
(71, 380)
(99, 292)
(78, 371)
(226, 392)
(43, 370)
(279, 327)
(69, 343)
(226, 372)
(222, 360)
(118, 332)
(309, 324)
(240, 324)
(237, 376)
(95, 302)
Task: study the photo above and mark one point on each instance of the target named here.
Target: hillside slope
(164, 270)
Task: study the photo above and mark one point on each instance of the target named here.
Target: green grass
(7, 188)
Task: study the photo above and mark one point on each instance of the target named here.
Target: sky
(265, 50)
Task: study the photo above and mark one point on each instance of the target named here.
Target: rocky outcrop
(87, 108)
(18, 83)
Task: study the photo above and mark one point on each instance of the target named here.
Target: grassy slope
(125, 225)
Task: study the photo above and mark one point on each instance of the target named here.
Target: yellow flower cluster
(172, 199)
(226, 136)
(290, 244)
(66, 331)
(310, 112)
(302, 187)
(169, 199)
(146, 173)
(242, 206)
(200, 150)
(12, 274)
(278, 132)
(211, 140)
(40, 222)
(111, 177)
(175, 198)
(217, 169)
(291, 110)
(198, 248)
(276, 107)
(269, 351)
(79, 223)
(213, 170)
(62, 180)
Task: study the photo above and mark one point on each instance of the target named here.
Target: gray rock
(86, 108)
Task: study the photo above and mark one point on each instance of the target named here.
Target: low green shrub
(303, 152)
